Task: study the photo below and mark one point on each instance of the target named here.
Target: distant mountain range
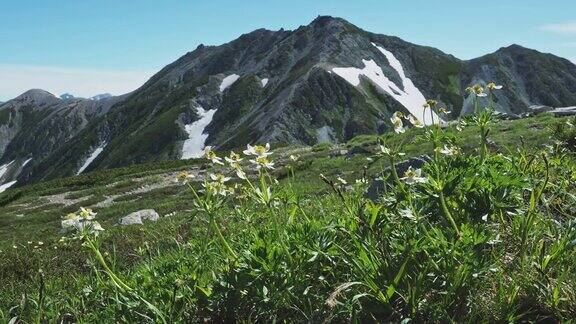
(327, 81)
(67, 96)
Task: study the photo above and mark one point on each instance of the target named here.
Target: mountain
(36, 124)
(101, 96)
(327, 81)
(531, 78)
(66, 96)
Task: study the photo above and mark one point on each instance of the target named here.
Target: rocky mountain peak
(328, 25)
(323, 21)
(37, 97)
(514, 49)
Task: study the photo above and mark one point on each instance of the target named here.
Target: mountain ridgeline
(327, 81)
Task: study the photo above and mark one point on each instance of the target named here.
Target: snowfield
(26, 162)
(228, 81)
(4, 168)
(407, 94)
(6, 186)
(91, 158)
(194, 145)
(264, 82)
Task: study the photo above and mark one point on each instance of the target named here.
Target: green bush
(322, 147)
(565, 133)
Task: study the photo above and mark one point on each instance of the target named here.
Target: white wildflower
(477, 90)
(262, 162)
(258, 150)
(413, 176)
(219, 177)
(492, 86)
(241, 174)
(444, 111)
(384, 150)
(415, 122)
(448, 151)
(430, 103)
(184, 177)
(234, 159)
(397, 123)
(211, 155)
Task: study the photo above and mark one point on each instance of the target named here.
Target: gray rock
(339, 153)
(539, 109)
(565, 111)
(416, 162)
(138, 218)
(376, 188)
(325, 134)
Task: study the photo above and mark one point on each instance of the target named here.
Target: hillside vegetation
(484, 230)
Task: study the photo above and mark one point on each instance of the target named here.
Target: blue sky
(88, 47)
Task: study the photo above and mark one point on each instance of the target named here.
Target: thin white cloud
(565, 28)
(16, 79)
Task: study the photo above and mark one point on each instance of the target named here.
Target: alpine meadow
(324, 174)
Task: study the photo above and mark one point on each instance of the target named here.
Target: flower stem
(222, 239)
(394, 172)
(484, 148)
(115, 279)
(447, 212)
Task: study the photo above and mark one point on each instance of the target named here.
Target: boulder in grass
(416, 162)
(138, 218)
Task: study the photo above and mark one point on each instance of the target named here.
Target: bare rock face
(37, 125)
(138, 218)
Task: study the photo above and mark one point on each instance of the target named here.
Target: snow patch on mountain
(264, 82)
(91, 158)
(26, 162)
(228, 81)
(7, 185)
(4, 169)
(408, 95)
(194, 145)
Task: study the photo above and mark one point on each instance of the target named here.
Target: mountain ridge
(326, 81)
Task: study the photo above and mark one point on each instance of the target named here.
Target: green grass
(316, 252)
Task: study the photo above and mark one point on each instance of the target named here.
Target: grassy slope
(142, 249)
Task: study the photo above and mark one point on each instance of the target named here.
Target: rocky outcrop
(565, 111)
(138, 218)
